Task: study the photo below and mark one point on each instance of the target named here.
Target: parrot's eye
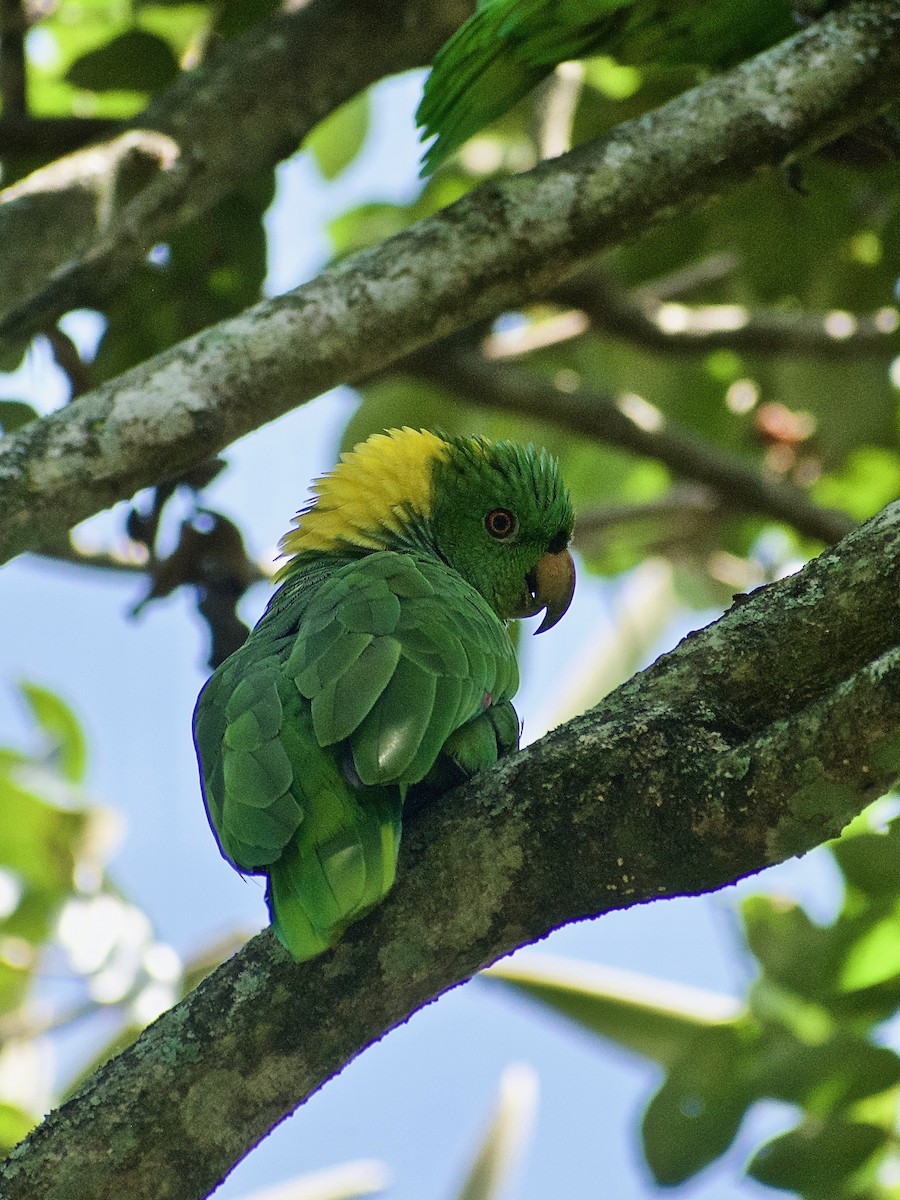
(500, 523)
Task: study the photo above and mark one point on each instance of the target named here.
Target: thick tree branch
(638, 428)
(249, 106)
(720, 759)
(494, 249)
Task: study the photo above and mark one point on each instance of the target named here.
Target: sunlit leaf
(336, 141)
(61, 727)
(875, 957)
(14, 1124)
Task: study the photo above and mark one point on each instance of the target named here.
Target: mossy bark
(501, 244)
(754, 740)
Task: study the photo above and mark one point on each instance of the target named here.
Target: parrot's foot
(473, 747)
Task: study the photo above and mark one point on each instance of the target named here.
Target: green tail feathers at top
(507, 47)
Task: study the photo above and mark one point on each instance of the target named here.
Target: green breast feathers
(383, 662)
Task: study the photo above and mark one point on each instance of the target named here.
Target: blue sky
(418, 1099)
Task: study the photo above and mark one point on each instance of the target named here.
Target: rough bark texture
(493, 249)
(722, 758)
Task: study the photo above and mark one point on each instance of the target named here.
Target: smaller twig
(681, 282)
(19, 1026)
(126, 558)
(631, 424)
(50, 137)
(682, 503)
(652, 324)
(69, 361)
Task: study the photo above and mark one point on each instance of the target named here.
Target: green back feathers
(508, 46)
(382, 658)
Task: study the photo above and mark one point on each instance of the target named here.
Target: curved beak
(551, 585)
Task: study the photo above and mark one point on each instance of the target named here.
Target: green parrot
(382, 662)
(508, 46)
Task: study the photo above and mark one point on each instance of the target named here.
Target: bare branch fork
(494, 249)
(719, 760)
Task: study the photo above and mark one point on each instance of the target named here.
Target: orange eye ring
(501, 524)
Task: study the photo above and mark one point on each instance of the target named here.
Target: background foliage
(764, 326)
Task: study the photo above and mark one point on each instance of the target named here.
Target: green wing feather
(508, 46)
(343, 697)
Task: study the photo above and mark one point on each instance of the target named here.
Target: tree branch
(719, 760)
(249, 106)
(41, 137)
(13, 26)
(640, 429)
(697, 329)
(495, 248)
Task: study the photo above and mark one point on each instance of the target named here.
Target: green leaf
(134, 61)
(694, 1116)
(649, 1016)
(817, 1156)
(14, 414)
(14, 1124)
(794, 952)
(336, 141)
(870, 862)
(875, 957)
(869, 479)
(820, 1077)
(61, 726)
(38, 840)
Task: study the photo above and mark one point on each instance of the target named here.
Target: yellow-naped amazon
(508, 46)
(383, 661)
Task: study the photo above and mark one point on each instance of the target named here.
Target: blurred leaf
(14, 414)
(337, 140)
(215, 268)
(868, 480)
(875, 957)
(793, 951)
(60, 725)
(136, 61)
(823, 1076)
(652, 1017)
(345, 1182)
(14, 1124)
(233, 17)
(694, 1116)
(817, 1156)
(38, 840)
(506, 1137)
(870, 862)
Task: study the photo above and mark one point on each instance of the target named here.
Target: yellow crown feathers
(369, 493)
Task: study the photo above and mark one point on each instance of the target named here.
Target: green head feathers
(496, 512)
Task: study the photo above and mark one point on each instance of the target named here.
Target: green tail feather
(340, 863)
